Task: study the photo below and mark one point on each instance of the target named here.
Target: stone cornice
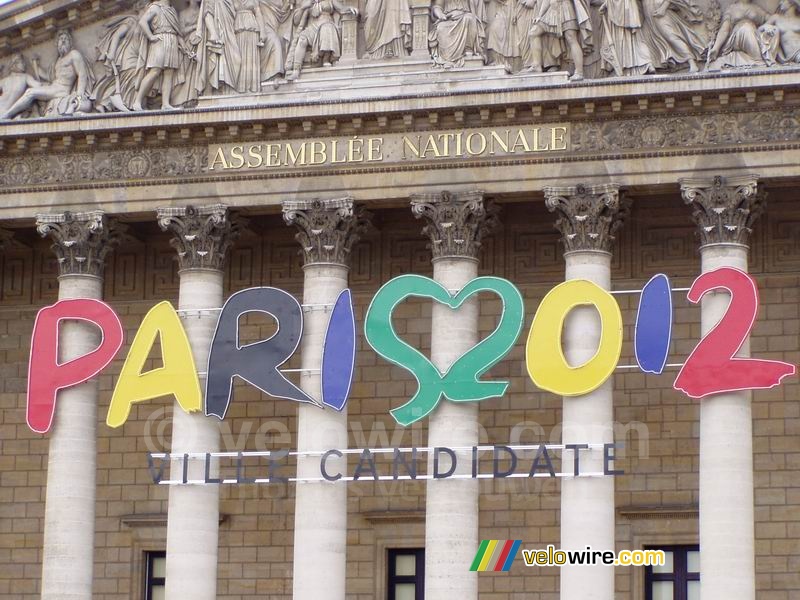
(588, 216)
(589, 100)
(724, 208)
(81, 241)
(327, 229)
(137, 176)
(456, 223)
(201, 236)
(126, 156)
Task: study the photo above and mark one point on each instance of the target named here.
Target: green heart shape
(461, 382)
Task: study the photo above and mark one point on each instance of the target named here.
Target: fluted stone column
(455, 225)
(724, 210)
(81, 242)
(202, 237)
(588, 217)
(328, 229)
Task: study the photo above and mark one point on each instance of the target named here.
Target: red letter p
(46, 375)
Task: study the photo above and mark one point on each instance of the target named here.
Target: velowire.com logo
(496, 555)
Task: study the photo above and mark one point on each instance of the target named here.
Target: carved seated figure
(785, 31)
(69, 88)
(316, 29)
(15, 83)
(739, 42)
(458, 32)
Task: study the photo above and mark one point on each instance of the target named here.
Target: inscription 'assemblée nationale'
(391, 148)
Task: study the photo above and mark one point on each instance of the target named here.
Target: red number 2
(711, 368)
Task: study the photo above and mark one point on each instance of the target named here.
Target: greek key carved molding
(588, 216)
(202, 236)
(724, 208)
(455, 223)
(81, 241)
(327, 229)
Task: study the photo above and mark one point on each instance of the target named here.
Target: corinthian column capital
(81, 241)
(455, 223)
(588, 216)
(724, 208)
(202, 235)
(327, 229)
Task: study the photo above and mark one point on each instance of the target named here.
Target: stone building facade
(421, 155)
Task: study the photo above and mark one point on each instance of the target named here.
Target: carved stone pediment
(67, 59)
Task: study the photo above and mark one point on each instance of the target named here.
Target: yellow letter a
(178, 376)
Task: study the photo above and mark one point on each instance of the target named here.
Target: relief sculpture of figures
(524, 15)
(674, 40)
(219, 57)
(739, 42)
(560, 23)
(387, 29)
(624, 47)
(784, 29)
(154, 54)
(317, 29)
(118, 53)
(15, 83)
(276, 20)
(458, 31)
(67, 91)
(501, 38)
(160, 57)
(250, 35)
(185, 93)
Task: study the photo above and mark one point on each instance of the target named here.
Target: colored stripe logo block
(496, 555)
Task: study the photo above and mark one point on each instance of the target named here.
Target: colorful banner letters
(256, 363)
(46, 375)
(178, 376)
(544, 354)
(461, 382)
(711, 368)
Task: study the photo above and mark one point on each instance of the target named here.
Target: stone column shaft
(724, 211)
(81, 242)
(588, 217)
(327, 231)
(202, 238)
(456, 224)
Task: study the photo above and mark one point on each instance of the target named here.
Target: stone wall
(656, 499)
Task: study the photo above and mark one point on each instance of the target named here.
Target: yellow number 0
(544, 356)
